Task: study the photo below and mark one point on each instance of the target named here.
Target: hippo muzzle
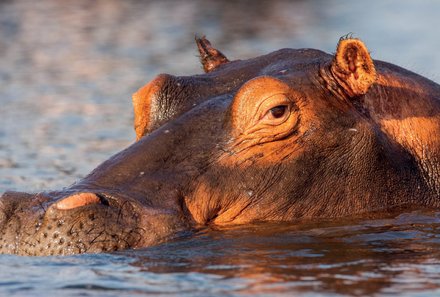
(33, 224)
(79, 223)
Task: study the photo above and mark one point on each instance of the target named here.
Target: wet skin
(293, 135)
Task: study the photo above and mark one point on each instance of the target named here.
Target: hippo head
(288, 136)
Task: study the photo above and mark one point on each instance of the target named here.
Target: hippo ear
(162, 99)
(210, 57)
(353, 67)
(143, 105)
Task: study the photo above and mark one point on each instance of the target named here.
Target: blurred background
(68, 68)
(67, 72)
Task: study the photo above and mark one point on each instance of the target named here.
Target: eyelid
(271, 102)
(267, 120)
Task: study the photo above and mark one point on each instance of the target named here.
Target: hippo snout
(63, 224)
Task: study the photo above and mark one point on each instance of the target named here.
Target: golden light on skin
(408, 128)
(77, 200)
(250, 96)
(407, 133)
(209, 206)
(252, 125)
(142, 104)
(202, 202)
(406, 86)
(352, 67)
(418, 136)
(254, 131)
(252, 122)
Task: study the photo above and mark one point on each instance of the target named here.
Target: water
(398, 256)
(67, 72)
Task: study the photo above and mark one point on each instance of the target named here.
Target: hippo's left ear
(352, 67)
(210, 57)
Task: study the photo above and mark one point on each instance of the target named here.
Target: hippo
(291, 136)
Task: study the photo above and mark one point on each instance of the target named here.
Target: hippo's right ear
(352, 67)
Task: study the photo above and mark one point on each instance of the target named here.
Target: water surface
(67, 72)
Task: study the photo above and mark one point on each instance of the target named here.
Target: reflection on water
(67, 71)
(362, 258)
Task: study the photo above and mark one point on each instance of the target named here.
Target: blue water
(67, 72)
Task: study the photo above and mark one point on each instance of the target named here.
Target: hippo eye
(275, 110)
(279, 111)
(277, 114)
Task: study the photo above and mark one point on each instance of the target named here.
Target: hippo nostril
(103, 199)
(80, 199)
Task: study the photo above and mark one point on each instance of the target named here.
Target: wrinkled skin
(289, 136)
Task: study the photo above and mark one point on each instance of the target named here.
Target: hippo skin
(294, 135)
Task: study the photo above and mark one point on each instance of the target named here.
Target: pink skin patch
(77, 200)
